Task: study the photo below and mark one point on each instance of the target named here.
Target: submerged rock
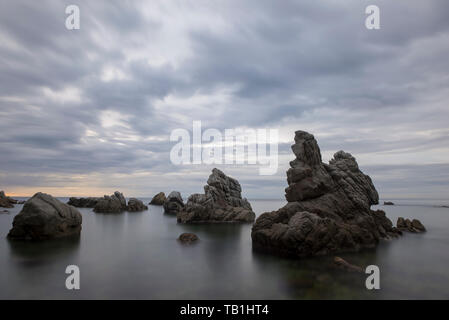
(6, 202)
(89, 202)
(159, 199)
(344, 265)
(174, 203)
(188, 238)
(115, 203)
(388, 203)
(222, 202)
(44, 217)
(328, 210)
(135, 205)
(414, 226)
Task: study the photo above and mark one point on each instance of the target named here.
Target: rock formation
(328, 207)
(159, 199)
(188, 238)
(115, 203)
(6, 202)
(174, 203)
(414, 226)
(135, 205)
(44, 217)
(83, 202)
(388, 203)
(222, 202)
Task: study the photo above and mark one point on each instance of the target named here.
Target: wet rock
(388, 203)
(344, 265)
(328, 210)
(83, 202)
(135, 205)
(414, 226)
(115, 203)
(221, 202)
(44, 217)
(174, 203)
(188, 238)
(6, 202)
(159, 199)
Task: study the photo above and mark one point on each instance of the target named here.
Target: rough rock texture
(174, 203)
(344, 265)
(83, 202)
(135, 205)
(414, 226)
(222, 202)
(111, 204)
(6, 202)
(159, 199)
(188, 238)
(44, 217)
(328, 210)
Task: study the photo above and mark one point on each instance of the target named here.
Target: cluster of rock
(221, 202)
(6, 202)
(174, 203)
(328, 210)
(414, 226)
(159, 199)
(44, 217)
(115, 203)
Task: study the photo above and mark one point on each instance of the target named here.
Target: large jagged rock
(174, 203)
(159, 199)
(135, 205)
(222, 202)
(328, 207)
(115, 203)
(414, 226)
(6, 202)
(44, 217)
(83, 202)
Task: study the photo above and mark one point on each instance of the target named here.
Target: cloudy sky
(90, 111)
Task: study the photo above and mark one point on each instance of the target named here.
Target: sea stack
(6, 202)
(159, 199)
(221, 202)
(328, 210)
(44, 217)
(174, 203)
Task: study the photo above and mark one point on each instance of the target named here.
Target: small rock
(344, 265)
(188, 238)
(388, 203)
(4, 211)
(174, 203)
(135, 205)
(159, 199)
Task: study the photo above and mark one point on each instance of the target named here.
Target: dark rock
(328, 210)
(44, 217)
(115, 203)
(4, 211)
(21, 202)
(159, 199)
(414, 226)
(344, 265)
(188, 238)
(83, 202)
(174, 203)
(6, 202)
(388, 203)
(222, 202)
(135, 205)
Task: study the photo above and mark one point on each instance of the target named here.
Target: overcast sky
(90, 111)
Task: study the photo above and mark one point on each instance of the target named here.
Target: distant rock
(388, 203)
(4, 211)
(83, 202)
(6, 202)
(135, 205)
(328, 210)
(174, 203)
(414, 226)
(159, 199)
(21, 202)
(44, 217)
(344, 265)
(115, 203)
(222, 202)
(188, 238)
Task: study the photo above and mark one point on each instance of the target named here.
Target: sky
(90, 111)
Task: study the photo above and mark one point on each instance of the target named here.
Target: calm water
(136, 256)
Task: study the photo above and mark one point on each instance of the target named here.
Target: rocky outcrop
(44, 217)
(188, 238)
(115, 203)
(174, 203)
(414, 226)
(221, 202)
(6, 202)
(135, 205)
(328, 207)
(388, 203)
(159, 199)
(83, 202)
(342, 264)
